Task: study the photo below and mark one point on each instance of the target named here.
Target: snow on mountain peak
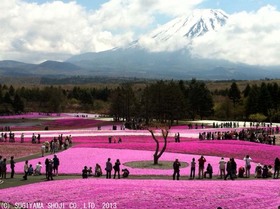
(194, 25)
(178, 32)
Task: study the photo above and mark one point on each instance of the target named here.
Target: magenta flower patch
(73, 160)
(148, 194)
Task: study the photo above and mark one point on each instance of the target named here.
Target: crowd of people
(229, 169)
(258, 132)
(260, 135)
(113, 139)
(57, 143)
(51, 168)
(28, 169)
(87, 172)
(7, 137)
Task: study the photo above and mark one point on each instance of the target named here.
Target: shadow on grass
(166, 165)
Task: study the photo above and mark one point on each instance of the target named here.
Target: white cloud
(55, 30)
(140, 13)
(251, 38)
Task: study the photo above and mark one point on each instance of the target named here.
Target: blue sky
(89, 4)
(229, 6)
(38, 30)
(232, 6)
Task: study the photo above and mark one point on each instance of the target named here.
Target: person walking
(222, 167)
(117, 169)
(25, 169)
(12, 166)
(176, 167)
(192, 169)
(229, 170)
(55, 165)
(108, 168)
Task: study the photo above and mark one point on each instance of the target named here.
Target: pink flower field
(73, 160)
(147, 194)
(90, 146)
(260, 153)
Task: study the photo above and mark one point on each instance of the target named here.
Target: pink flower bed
(142, 140)
(72, 123)
(260, 153)
(73, 160)
(146, 194)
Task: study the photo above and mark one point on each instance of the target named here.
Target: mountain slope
(189, 27)
(153, 58)
(195, 25)
(14, 68)
(138, 61)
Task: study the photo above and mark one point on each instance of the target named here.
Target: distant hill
(51, 68)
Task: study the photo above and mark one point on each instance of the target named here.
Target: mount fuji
(197, 24)
(165, 53)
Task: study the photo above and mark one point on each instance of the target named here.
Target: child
(241, 172)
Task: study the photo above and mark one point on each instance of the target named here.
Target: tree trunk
(157, 155)
(156, 160)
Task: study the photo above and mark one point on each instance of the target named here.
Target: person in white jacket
(247, 160)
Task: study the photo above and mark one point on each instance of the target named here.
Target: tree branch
(157, 142)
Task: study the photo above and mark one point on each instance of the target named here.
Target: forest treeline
(162, 101)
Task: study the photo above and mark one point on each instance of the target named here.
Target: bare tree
(158, 153)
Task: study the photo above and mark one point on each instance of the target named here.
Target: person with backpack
(229, 170)
(117, 168)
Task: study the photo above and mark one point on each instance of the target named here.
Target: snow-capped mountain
(163, 54)
(188, 27)
(166, 53)
(197, 24)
